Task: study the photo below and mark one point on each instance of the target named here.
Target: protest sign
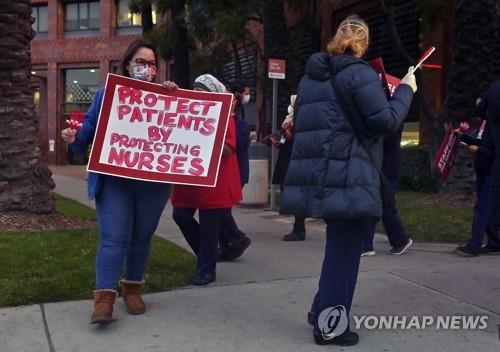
(446, 154)
(147, 133)
(390, 83)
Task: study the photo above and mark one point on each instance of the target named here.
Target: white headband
(355, 23)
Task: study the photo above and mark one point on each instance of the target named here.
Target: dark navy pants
(230, 234)
(481, 213)
(339, 273)
(202, 237)
(128, 212)
(394, 229)
(494, 235)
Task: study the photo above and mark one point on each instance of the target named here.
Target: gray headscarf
(209, 83)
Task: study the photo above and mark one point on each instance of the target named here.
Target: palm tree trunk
(25, 180)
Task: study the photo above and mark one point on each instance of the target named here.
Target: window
(126, 18)
(80, 88)
(82, 16)
(39, 13)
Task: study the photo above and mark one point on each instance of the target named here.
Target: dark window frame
(36, 10)
(79, 20)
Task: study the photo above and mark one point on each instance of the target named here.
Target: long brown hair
(132, 49)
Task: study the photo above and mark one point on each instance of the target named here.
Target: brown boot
(131, 292)
(103, 306)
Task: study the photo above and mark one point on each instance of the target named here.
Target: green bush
(415, 171)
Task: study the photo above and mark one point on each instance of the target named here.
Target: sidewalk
(259, 303)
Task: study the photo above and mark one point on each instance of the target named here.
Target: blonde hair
(351, 37)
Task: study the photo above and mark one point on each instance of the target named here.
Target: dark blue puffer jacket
(330, 175)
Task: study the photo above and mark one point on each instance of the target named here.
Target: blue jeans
(202, 237)
(128, 212)
(339, 273)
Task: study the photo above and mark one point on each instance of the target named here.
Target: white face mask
(245, 99)
(143, 72)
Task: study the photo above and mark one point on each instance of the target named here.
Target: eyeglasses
(143, 63)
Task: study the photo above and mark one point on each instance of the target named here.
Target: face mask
(143, 72)
(245, 99)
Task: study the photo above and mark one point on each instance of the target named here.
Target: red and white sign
(446, 154)
(75, 119)
(390, 83)
(147, 133)
(276, 68)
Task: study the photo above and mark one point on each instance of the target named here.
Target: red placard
(390, 83)
(446, 154)
(147, 133)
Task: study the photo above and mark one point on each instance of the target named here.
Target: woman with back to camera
(331, 175)
(128, 210)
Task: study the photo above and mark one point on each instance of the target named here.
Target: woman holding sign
(213, 203)
(128, 210)
(341, 115)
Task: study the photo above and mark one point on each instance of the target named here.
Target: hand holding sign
(446, 154)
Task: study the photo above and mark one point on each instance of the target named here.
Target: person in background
(128, 210)
(398, 237)
(483, 162)
(233, 242)
(213, 203)
(331, 174)
(493, 143)
(285, 150)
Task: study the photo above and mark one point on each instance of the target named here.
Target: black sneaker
(295, 236)
(402, 249)
(348, 338)
(203, 280)
(489, 250)
(235, 252)
(465, 251)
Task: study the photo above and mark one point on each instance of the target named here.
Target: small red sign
(390, 83)
(276, 68)
(447, 153)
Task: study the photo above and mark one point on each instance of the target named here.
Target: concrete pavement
(259, 302)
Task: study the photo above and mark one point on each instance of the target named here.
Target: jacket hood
(318, 65)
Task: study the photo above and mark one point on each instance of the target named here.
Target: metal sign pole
(273, 148)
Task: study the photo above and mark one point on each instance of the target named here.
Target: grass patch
(54, 266)
(74, 209)
(428, 219)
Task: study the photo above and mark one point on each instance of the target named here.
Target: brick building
(79, 42)
(76, 44)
